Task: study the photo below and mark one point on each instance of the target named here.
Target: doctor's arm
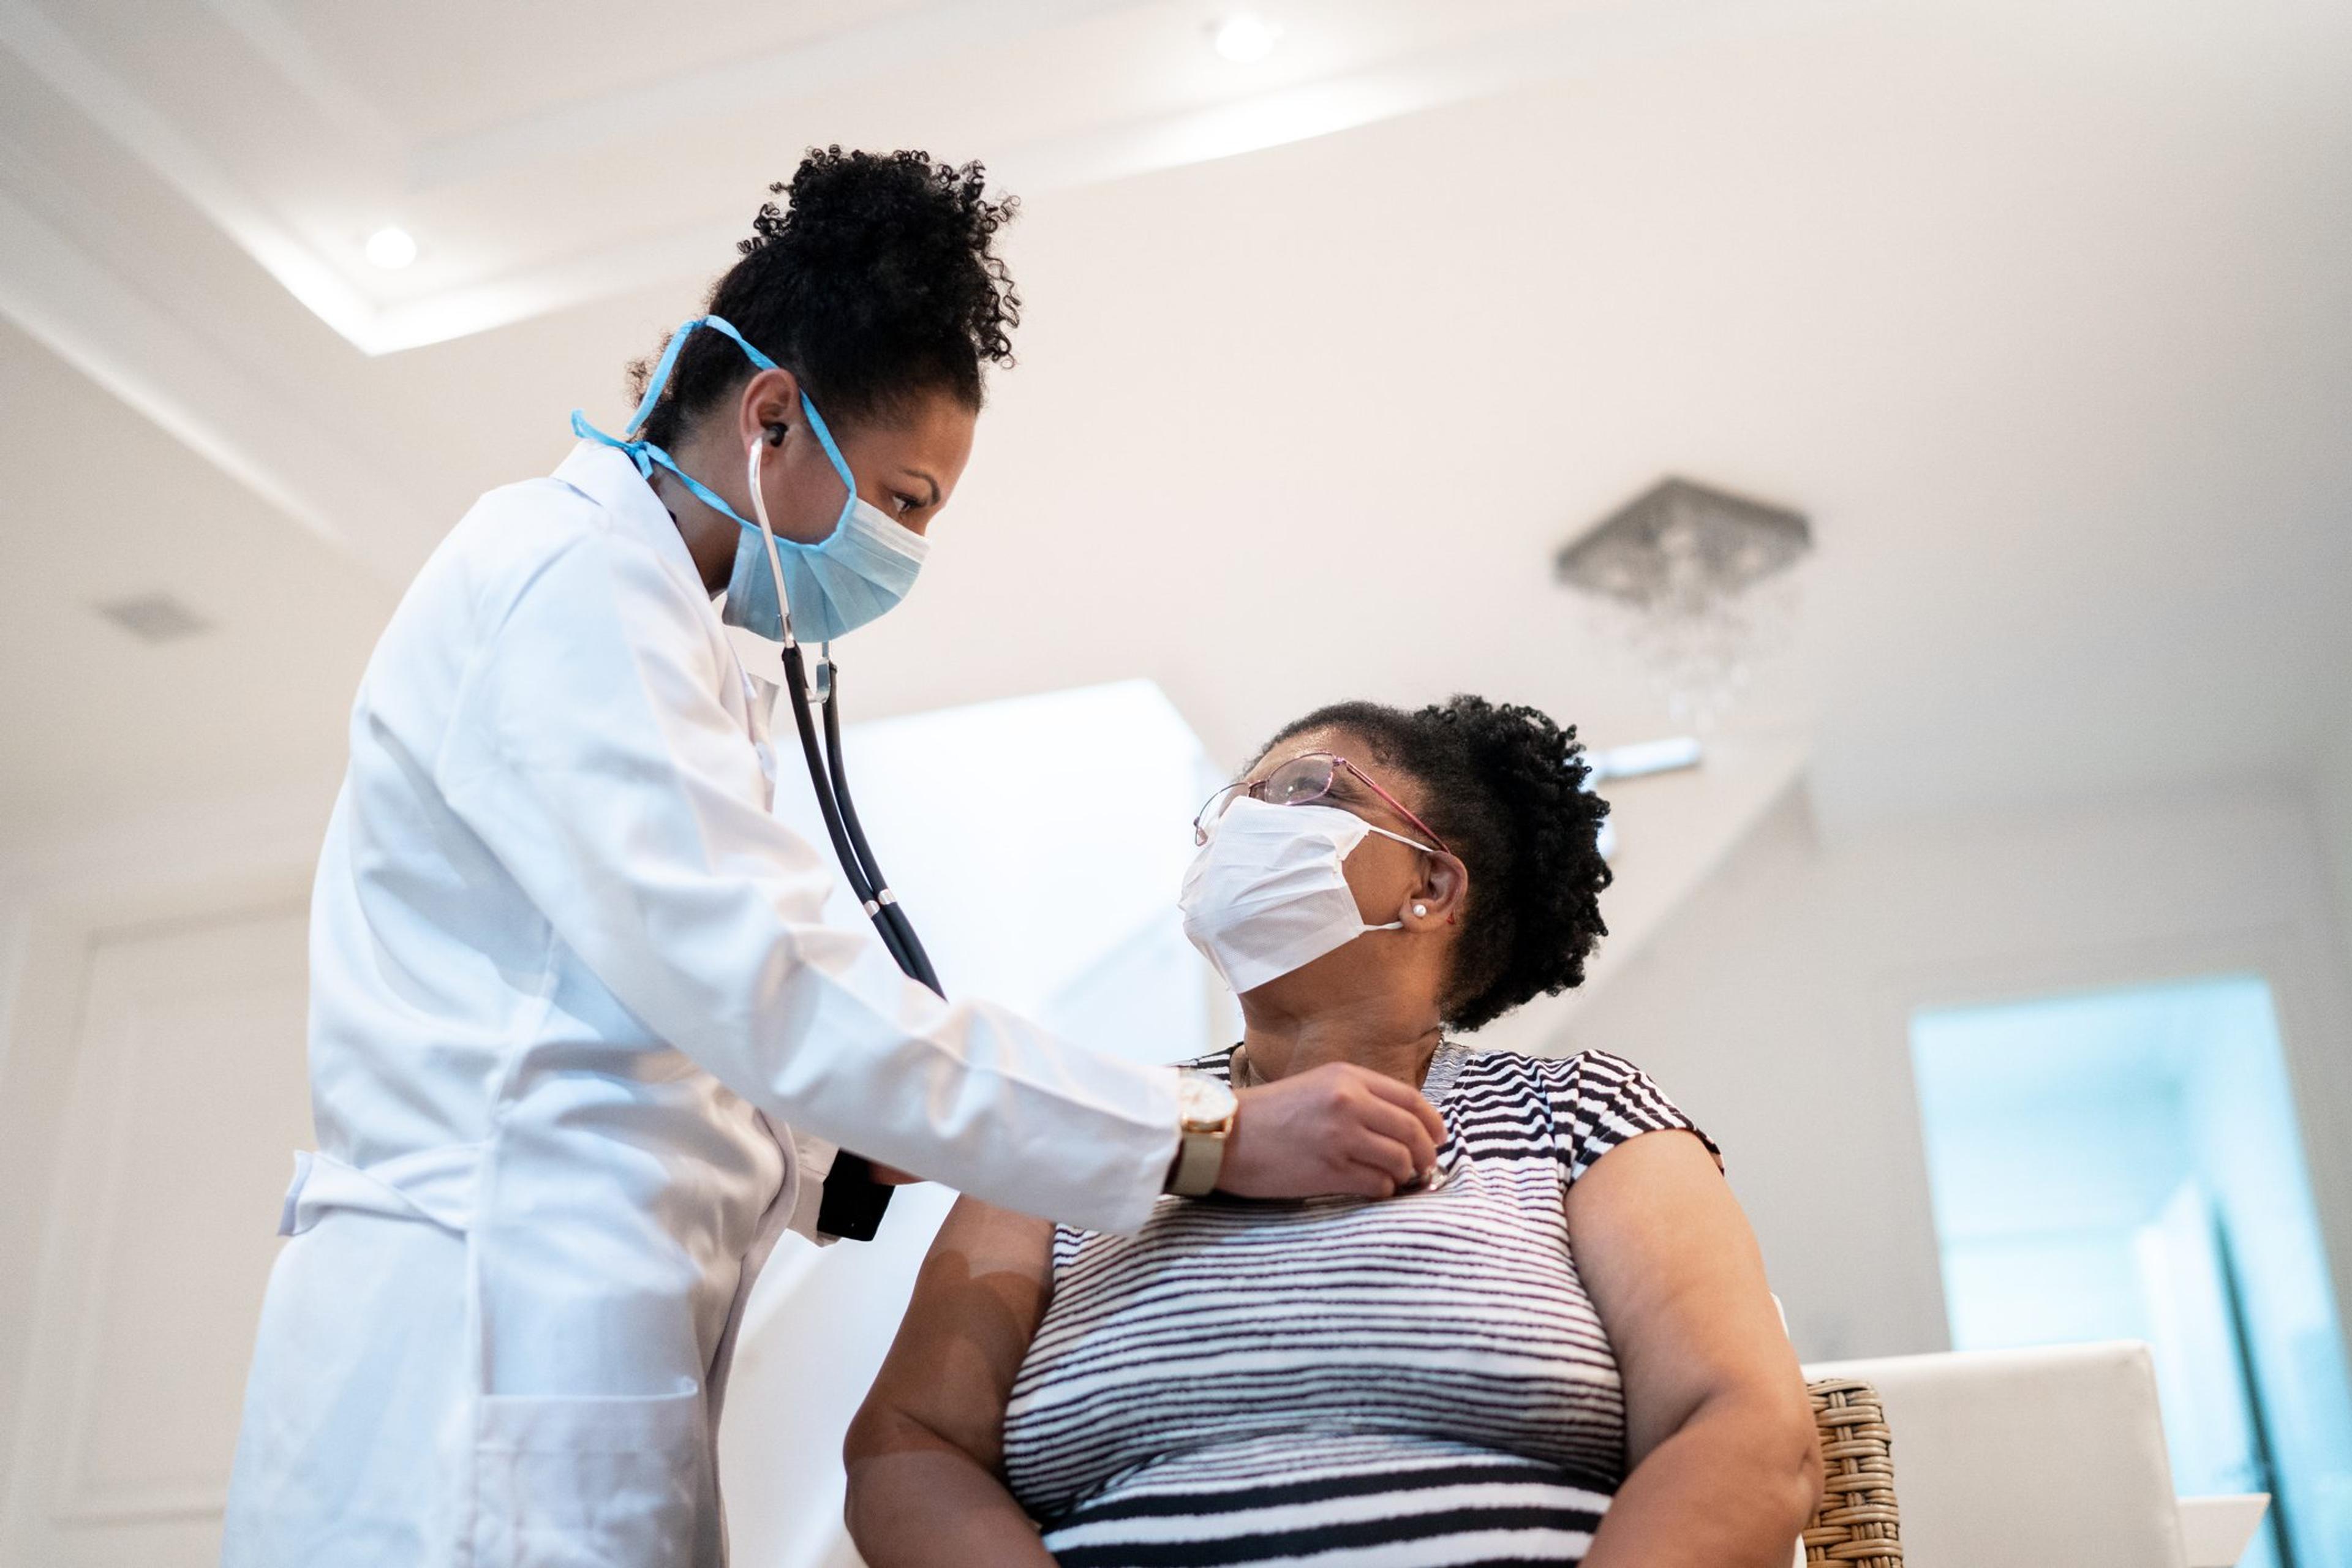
(925, 1452)
(1724, 1467)
(590, 752)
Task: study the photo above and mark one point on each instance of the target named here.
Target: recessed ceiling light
(1246, 37)
(391, 248)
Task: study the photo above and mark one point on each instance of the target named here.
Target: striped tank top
(1407, 1383)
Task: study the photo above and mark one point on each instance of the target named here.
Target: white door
(189, 1093)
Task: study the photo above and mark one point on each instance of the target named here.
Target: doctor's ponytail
(873, 279)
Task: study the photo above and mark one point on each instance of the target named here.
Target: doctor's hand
(1336, 1129)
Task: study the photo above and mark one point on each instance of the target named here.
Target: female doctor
(575, 1026)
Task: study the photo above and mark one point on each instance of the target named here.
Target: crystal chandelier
(1695, 582)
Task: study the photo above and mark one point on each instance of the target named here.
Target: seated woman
(1557, 1347)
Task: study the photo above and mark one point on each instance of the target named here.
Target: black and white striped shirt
(1407, 1383)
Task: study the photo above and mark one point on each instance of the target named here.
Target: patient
(1555, 1348)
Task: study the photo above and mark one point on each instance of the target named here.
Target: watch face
(1203, 1102)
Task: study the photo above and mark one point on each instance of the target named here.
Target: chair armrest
(1856, 1524)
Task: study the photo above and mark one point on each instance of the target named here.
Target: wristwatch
(1205, 1109)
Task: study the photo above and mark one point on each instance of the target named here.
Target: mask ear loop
(1410, 844)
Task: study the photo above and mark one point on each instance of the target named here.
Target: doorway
(2126, 1164)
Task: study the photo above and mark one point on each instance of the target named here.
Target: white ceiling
(524, 141)
(2045, 317)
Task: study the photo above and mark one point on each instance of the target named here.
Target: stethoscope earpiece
(775, 435)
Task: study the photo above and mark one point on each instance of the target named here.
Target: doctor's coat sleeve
(589, 751)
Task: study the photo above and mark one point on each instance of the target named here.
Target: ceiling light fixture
(391, 248)
(1695, 582)
(1246, 37)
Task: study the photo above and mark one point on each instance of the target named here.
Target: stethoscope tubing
(887, 910)
(830, 782)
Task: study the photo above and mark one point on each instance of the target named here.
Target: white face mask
(1268, 894)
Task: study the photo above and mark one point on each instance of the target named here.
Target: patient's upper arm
(1675, 1272)
(977, 1304)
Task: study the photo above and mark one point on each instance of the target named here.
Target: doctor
(575, 1027)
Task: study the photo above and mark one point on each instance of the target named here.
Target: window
(2126, 1164)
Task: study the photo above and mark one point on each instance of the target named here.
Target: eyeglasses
(1302, 781)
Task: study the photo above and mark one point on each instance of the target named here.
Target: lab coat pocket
(590, 1482)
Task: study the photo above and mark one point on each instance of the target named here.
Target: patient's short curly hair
(1505, 789)
(874, 279)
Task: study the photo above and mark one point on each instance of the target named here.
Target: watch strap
(1199, 1159)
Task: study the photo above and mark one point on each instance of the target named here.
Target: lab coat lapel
(609, 479)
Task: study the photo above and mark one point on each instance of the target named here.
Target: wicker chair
(1856, 1523)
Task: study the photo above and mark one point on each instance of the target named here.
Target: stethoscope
(830, 782)
(854, 1201)
(852, 1206)
(827, 777)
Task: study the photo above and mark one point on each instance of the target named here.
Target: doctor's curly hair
(873, 279)
(1505, 788)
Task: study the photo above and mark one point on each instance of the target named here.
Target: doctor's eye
(901, 505)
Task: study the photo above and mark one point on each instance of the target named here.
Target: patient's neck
(1386, 1033)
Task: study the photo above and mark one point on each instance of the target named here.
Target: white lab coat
(567, 983)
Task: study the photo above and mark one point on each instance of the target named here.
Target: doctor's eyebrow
(919, 474)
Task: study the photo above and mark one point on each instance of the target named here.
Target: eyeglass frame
(1257, 791)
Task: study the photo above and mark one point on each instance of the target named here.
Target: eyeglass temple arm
(1394, 805)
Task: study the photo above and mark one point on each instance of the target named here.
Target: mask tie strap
(656, 383)
(725, 328)
(644, 454)
(628, 442)
(832, 452)
(633, 450)
(660, 377)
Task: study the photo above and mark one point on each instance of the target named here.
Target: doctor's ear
(770, 403)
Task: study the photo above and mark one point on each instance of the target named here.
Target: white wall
(21, 1190)
(1775, 1006)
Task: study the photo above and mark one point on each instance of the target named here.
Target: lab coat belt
(436, 1185)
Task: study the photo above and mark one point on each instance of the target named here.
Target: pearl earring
(1421, 909)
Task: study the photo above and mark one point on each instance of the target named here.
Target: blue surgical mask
(782, 589)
